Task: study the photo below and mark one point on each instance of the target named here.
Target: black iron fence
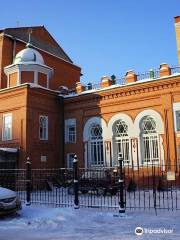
(146, 187)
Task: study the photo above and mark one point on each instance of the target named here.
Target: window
(43, 158)
(43, 128)
(7, 127)
(71, 134)
(70, 158)
(121, 141)
(70, 130)
(149, 141)
(96, 157)
(177, 113)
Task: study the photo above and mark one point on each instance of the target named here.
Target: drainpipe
(61, 132)
(14, 49)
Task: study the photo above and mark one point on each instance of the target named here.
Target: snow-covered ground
(45, 223)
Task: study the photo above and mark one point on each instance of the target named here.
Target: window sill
(5, 140)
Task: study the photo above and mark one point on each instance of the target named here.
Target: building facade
(48, 115)
(31, 110)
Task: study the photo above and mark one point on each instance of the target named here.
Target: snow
(35, 223)
(6, 193)
(121, 85)
(11, 150)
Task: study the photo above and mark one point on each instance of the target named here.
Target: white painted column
(36, 77)
(18, 77)
(134, 151)
(107, 152)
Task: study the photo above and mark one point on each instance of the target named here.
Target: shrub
(132, 186)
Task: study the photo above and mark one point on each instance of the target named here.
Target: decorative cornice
(126, 91)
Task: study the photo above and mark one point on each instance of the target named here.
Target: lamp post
(121, 185)
(28, 182)
(76, 183)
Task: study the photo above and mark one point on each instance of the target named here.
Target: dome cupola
(28, 55)
(28, 67)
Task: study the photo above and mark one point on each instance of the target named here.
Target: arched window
(149, 141)
(96, 156)
(121, 142)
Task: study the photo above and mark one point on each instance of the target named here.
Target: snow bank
(66, 223)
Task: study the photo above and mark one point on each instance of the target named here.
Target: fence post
(76, 183)
(28, 182)
(121, 185)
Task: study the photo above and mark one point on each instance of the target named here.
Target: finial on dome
(29, 41)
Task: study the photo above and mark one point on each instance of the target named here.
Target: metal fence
(145, 187)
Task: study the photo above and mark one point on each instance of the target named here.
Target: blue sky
(104, 37)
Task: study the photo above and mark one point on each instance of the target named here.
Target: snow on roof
(10, 150)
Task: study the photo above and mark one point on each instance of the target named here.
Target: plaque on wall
(171, 176)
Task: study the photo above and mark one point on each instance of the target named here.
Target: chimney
(130, 76)
(177, 30)
(105, 82)
(164, 70)
(79, 88)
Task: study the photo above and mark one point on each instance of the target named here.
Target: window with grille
(177, 120)
(96, 146)
(122, 141)
(7, 127)
(43, 128)
(149, 141)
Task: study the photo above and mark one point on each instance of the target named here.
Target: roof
(28, 55)
(40, 38)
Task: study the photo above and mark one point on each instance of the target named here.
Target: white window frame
(46, 135)
(3, 127)
(146, 145)
(44, 158)
(68, 124)
(176, 107)
(71, 137)
(96, 146)
(121, 142)
(68, 160)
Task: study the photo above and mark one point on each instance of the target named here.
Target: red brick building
(31, 110)
(48, 115)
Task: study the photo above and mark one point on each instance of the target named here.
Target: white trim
(68, 160)
(8, 82)
(124, 117)
(18, 82)
(36, 77)
(29, 66)
(176, 107)
(44, 158)
(155, 115)
(47, 129)
(96, 120)
(69, 123)
(3, 126)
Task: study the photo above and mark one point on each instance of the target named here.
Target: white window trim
(68, 127)
(68, 158)
(176, 107)
(44, 158)
(10, 138)
(69, 123)
(47, 129)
